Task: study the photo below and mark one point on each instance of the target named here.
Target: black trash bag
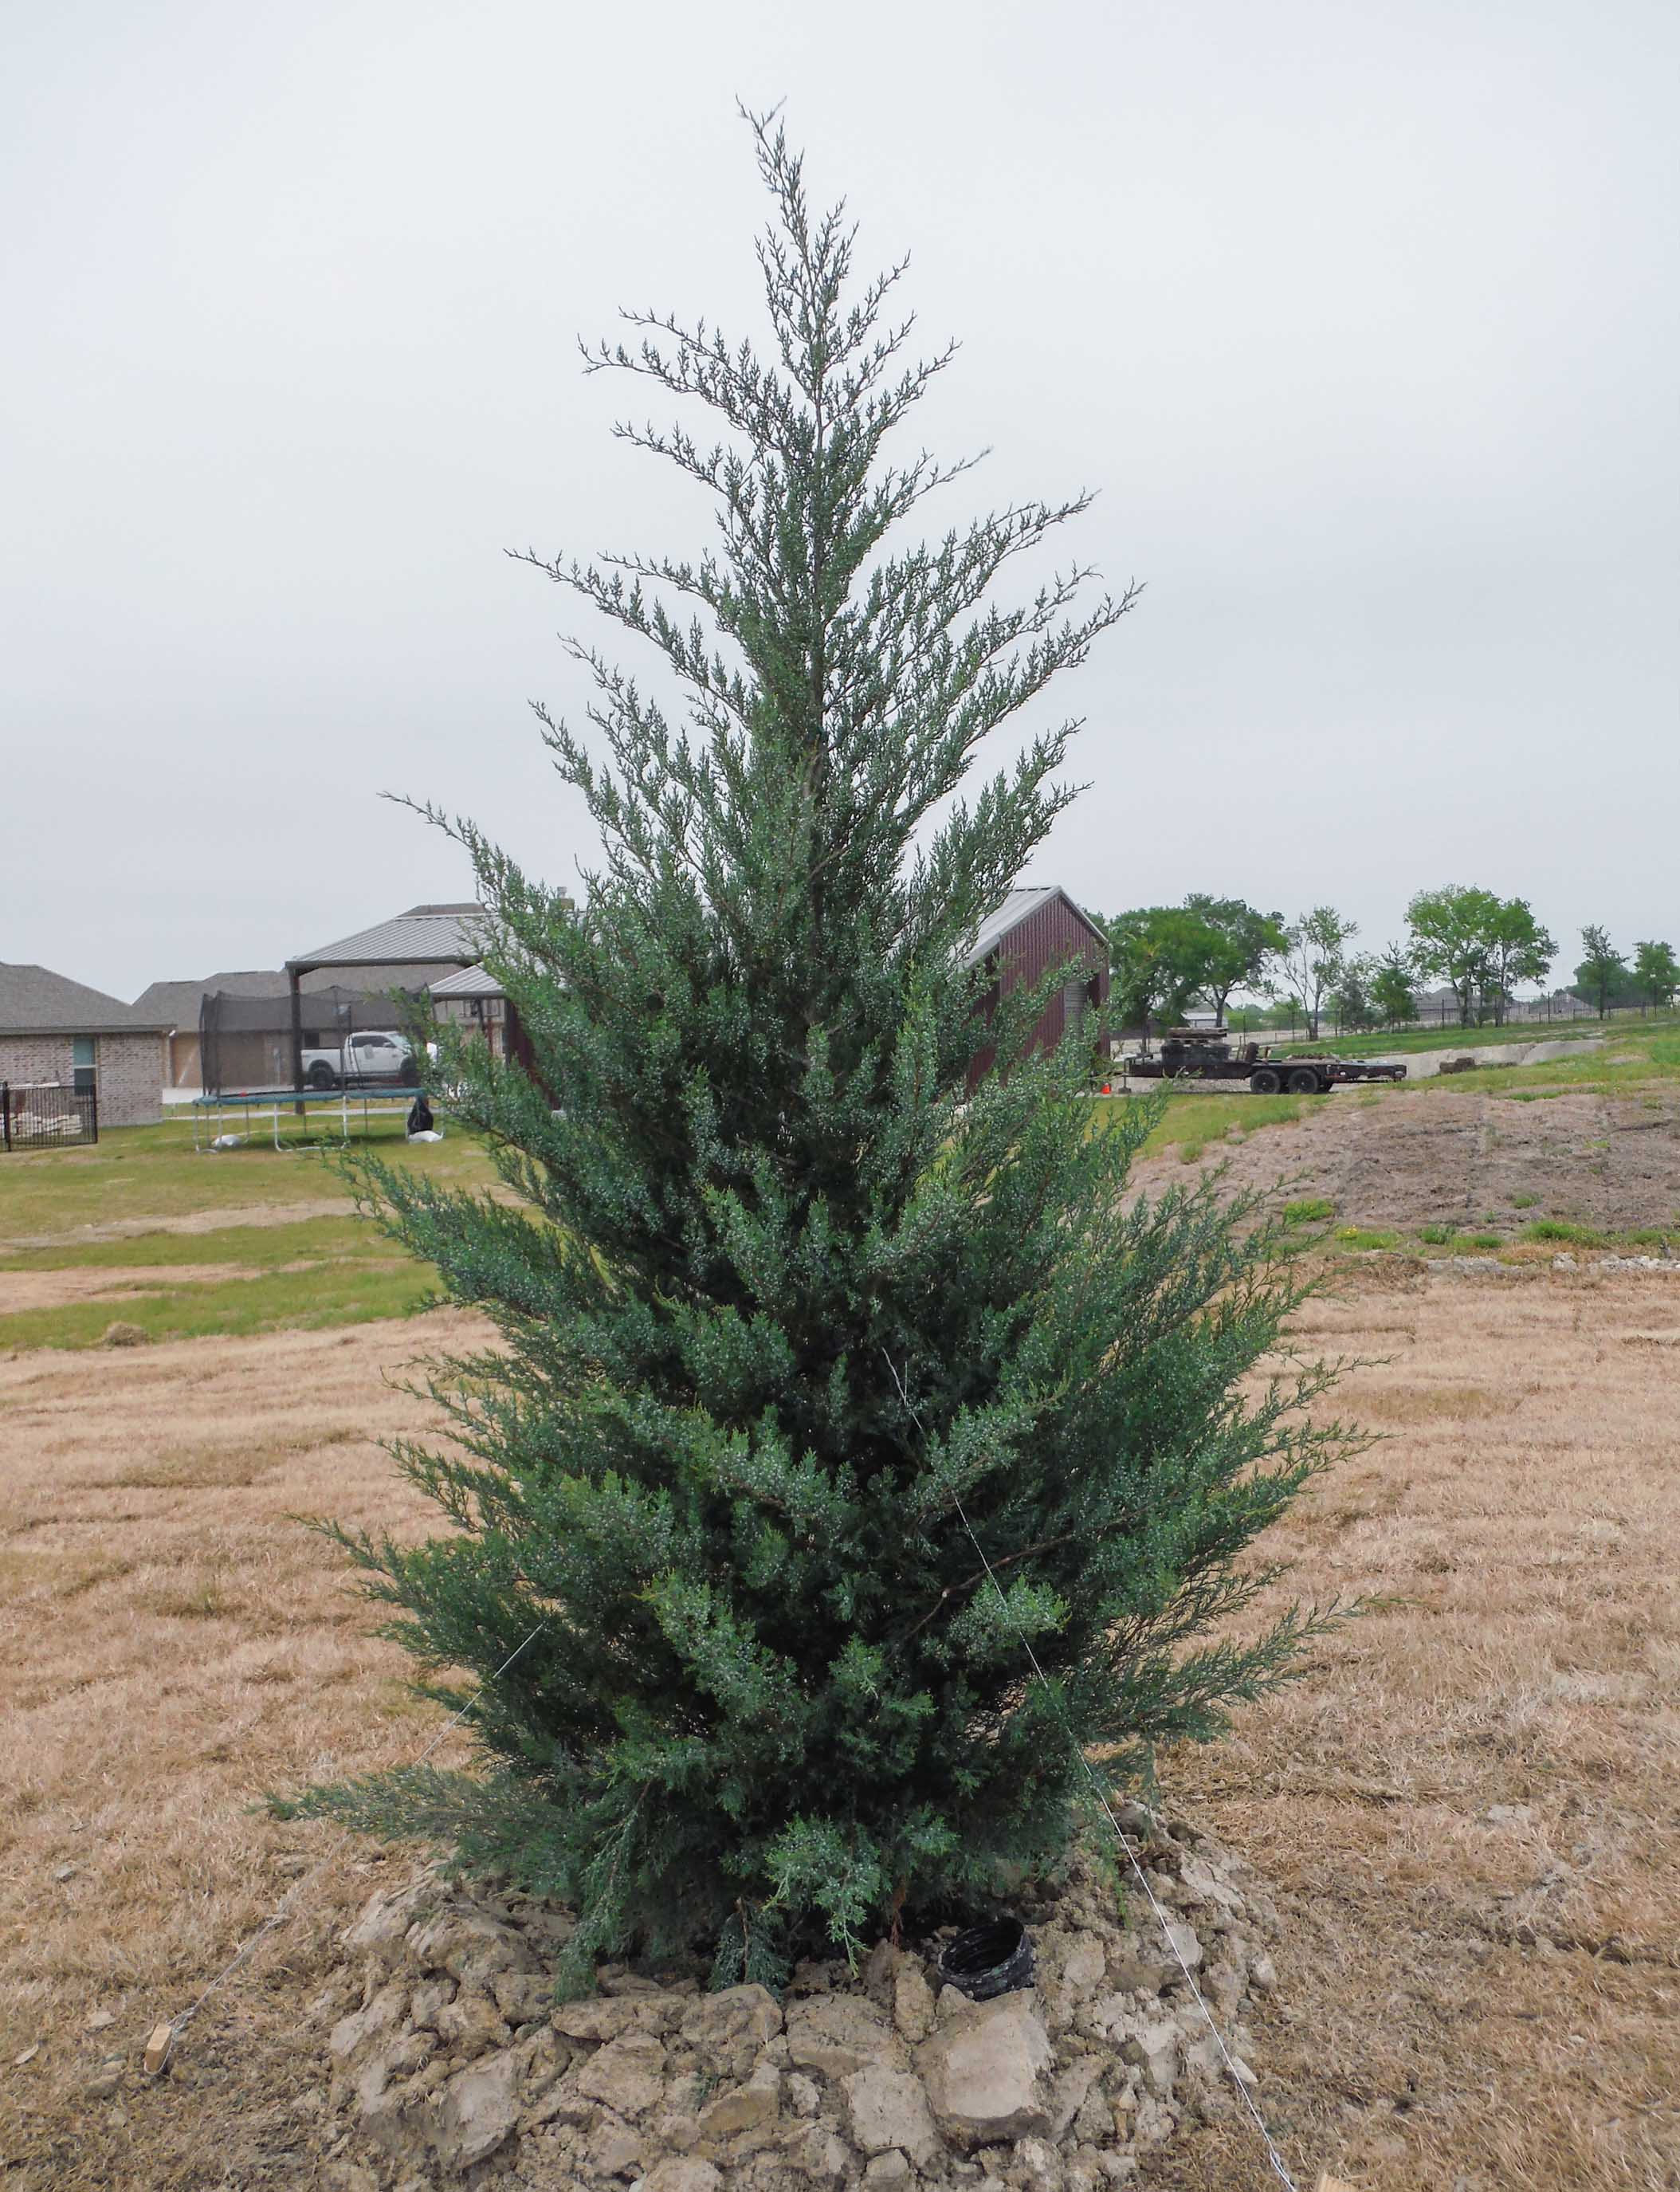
(988, 1959)
(419, 1116)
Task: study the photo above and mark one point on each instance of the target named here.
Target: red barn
(1033, 932)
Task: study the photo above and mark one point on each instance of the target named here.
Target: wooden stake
(163, 2035)
(1328, 2184)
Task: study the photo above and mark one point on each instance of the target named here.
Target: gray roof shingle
(35, 1001)
(181, 1003)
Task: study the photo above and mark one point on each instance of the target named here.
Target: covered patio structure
(413, 952)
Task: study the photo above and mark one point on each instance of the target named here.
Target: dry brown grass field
(1469, 1809)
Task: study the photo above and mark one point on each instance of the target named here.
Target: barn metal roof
(1012, 912)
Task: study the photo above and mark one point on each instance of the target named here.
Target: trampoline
(211, 1114)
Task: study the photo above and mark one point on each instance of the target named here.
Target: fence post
(6, 1110)
(93, 1113)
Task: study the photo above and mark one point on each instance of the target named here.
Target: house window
(82, 1064)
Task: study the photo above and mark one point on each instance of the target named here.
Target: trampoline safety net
(351, 1039)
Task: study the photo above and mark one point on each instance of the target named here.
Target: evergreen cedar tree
(772, 1301)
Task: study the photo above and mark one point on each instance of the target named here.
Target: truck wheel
(321, 1075)
(1265, 1081)
(1304, 1081)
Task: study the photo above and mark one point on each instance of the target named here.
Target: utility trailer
(1188, 1054)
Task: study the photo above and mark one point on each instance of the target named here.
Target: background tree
(1452, 932)
(1312, 961)
(1518, 950)
(776, 1306)
(1602, 971)
(1393, 987)
(1160, 959)
(1657, 971)
(1351, 999)
(1241, 943)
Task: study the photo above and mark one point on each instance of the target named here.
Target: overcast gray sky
(1361, 318)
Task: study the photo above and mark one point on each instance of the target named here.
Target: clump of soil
(125, 1335)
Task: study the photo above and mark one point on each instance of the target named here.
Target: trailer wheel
(1304, 1081)
(1266, 1082)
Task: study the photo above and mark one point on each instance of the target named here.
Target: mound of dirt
(1474, 1160)
(125, 1335)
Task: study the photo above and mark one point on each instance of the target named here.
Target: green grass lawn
(1639, 1058)
(324, 1266)
(154, 1171)
(1314, 1226)
(1191, 1121)
(1399, 1043)
(355, 1290)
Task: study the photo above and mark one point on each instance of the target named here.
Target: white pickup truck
(370, 1055)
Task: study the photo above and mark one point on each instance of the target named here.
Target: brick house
(60, 1033)
(1033, 932)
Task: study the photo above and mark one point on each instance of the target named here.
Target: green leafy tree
(1315, 949)
(778, 1314)
(1352, 1001)
(1241, 944)
(1160, 959)
(1393, 987)
(1452, 933)
(1657, 971)
(1603, 971)
(1519, 951)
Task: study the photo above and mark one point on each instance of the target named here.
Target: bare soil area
(1469, 1810)
(21, 1290)
(1433, 1158)
(191, 1221)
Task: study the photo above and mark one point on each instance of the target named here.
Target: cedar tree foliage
(779, 1314)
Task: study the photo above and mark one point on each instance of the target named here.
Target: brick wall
(130, 1076)
(127, 1071)
(36, 1058)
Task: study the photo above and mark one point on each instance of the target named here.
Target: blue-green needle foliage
(772, 1300)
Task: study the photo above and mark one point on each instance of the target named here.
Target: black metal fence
(1437, 1013)
(47, 1116)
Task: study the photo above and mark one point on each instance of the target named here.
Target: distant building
(474, 999)
(1033, 932)
(180, 1007)
(57, 1033)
